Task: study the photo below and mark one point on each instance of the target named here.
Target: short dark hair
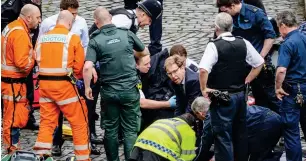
(227, 3)
(178, 50)
(65, 4)
(287, 18)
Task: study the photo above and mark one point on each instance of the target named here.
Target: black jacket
(192, 91)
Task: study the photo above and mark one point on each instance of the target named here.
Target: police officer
(225, 60)
(260, 122)
(175, 140)
(290, 84)
(113, 48)
(148, 12)
(252, 24)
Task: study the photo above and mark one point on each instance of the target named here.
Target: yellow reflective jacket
(171, 138)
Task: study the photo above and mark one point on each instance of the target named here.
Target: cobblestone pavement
(188, 22)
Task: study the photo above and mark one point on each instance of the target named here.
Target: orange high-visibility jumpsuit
(59, 52)
(16, 63)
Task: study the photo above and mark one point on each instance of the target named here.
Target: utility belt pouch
(299, 99)
(72, 78)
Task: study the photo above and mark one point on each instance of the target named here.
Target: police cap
(152, 8)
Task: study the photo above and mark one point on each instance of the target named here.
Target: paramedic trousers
(62, 96)
(122, 110)
(15, 115)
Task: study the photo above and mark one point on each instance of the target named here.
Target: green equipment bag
(20, 155)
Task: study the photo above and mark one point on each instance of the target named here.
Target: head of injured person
(65, 18)
(223, 23)
(200, 107)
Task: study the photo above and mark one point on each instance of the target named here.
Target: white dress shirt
(210, 56)
(79, 27)
(123, 21)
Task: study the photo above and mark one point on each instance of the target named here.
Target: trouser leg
(49, 113)
(290, 114)
(129, 118)
(111, 124)
(155, 45)
(58, 134)
(15, 115)
(76, 114)
(261, 144)
(222, 119)
(303, 121)
(240, 131)
(207, 139)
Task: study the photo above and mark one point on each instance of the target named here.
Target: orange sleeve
(79, 57)
(23, 51)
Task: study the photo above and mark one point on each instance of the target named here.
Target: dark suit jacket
(192, 91)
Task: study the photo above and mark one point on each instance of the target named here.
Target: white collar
(225, 34)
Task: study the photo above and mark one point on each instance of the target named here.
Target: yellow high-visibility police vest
(171, 138)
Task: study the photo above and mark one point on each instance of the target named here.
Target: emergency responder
(147, 12)
(175, 140)
(260, 122)
(219, 64)
(252, 24)
(10, 11)
(290, 83)
(185, 83)
(156, 85)
(181, 51)
(16, 63)
(113, 48)
(143, 66)
(80, 28)
(155, 28)
(60, 58)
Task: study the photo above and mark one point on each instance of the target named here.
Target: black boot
(32, 125)
(95, 140)
(56, 150)
(94, 150)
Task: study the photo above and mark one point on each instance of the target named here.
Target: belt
(53, 78)
(13, 80)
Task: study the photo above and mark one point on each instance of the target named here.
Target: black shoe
(94, 150)
(56, 150)
(95, 140)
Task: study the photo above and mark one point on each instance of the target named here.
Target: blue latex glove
(172, 101)
(80, 84)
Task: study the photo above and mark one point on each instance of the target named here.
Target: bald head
(28, 10)
(65, 18)
(31, 15)
(102, 16)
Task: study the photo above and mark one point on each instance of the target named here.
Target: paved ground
(188, 22)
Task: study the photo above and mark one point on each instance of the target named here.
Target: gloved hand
(172, 102)
(80, 84)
